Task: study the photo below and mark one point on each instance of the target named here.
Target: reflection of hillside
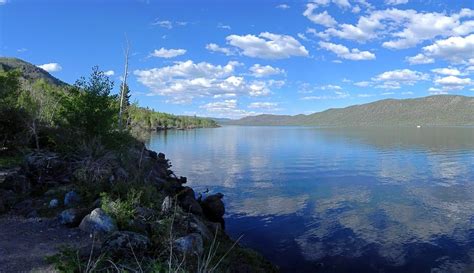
(432, 139)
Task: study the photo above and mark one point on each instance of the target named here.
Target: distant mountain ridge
(438, 110)
(29, 71)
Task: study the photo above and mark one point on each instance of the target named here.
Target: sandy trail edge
(24, 243)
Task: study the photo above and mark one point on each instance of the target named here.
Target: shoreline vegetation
(64, 157)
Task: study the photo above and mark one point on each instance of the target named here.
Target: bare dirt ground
(25, 243)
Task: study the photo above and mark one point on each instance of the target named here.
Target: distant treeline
(147, 119)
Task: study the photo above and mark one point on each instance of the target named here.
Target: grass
(9, 161)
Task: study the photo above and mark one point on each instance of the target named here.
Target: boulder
(98, 222)
(187, 200)
(126, 243)
(144, 213)
(71, 198)
(213, 207)
(8, 198)
(54, 203)
(24, 207)
(198, 226)
(167, 205)
(71, 217)
(190, 244)
(17, 183)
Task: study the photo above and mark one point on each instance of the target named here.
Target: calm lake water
(339, 200)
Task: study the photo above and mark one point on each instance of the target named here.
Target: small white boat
(418, 126)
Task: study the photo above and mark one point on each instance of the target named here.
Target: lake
(339, 200)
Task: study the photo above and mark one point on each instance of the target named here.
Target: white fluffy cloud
(396, 2)
(420, 59)
(322, 18)
(454, 49)
(395, 78)
(167, 53)
(227, 108)
(51, 67)
(185, 81)
(403, 28)
(283, 6)
(263, 105)
(260, 71)
(109, 73)
(267, 45)
(346, 53)
(447, 71)
(335, 95)
(216, 48)
(453, 82)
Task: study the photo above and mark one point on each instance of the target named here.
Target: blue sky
(238, 58)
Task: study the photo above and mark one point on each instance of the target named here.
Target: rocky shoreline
(140, 215)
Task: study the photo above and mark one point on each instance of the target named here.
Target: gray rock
(167, 205)
(122, 243)
(71, 198)
(71, 217)
(144, 213)
(213, 207)
(98, 222)
(17, 183)
(54, 203)
(24, 207)
(198, 226)
(188, 202)
(8, 199)
(190, 244)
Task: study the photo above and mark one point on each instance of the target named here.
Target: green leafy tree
(89, 107)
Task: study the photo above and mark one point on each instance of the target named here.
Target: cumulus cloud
(447, 71)
(267, 45)
(403, 28)
(283, 6)
(420, 59)
(335, 95)
(322, 18)
(260, 71)
(363, 84)
(216, 48)
(453, 82)
(227, 108)
(263, 105)
(51, 67)
(109, 73)
(395, 78)
(167, 53)
(396, 2)
(454, 49)
(346, 53)
(184, 81)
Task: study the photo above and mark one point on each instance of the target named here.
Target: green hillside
(139, 118)
(440, 110)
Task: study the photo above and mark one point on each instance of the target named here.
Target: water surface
(339, 200)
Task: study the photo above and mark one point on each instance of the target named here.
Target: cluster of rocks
(43, 183)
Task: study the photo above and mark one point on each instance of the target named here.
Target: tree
(126, 105)
(89, 107)
(124, 83)
(13, 119)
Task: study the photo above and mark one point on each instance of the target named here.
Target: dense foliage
(145, 118)
(38, 113)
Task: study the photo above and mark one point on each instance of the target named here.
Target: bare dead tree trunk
(124, 82)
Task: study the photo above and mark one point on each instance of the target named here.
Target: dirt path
(24, 243)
